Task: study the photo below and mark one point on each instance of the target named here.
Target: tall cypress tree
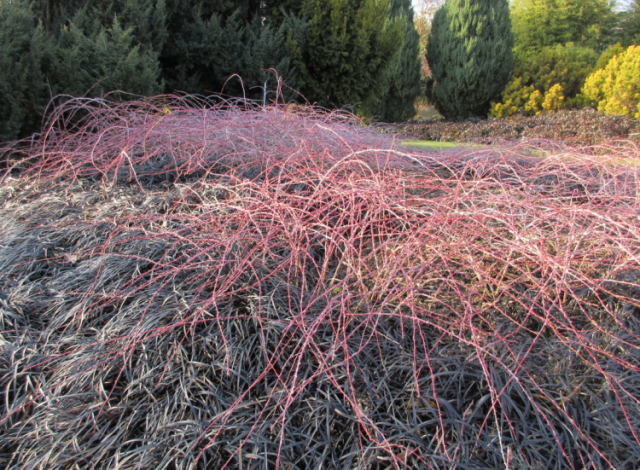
(470, 55)
(348, 46)
(403, 74)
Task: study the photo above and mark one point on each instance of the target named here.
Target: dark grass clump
(222, 287)
(574, 128)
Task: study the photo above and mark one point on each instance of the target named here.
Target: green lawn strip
(435, 144)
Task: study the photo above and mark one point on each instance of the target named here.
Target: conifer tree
(22, 86)
(275, 9)
(204, 47)
(264, 60)
(470, 55)
(336, 52)
(631, 24)
(91, 58)
(98, 46)
(403, 74)
(540, 23)
(347, 48)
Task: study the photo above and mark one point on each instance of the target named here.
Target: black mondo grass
(226, 287)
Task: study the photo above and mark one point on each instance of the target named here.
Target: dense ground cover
(577, 128)
(225, 288)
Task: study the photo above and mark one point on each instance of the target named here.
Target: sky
(416, 5)
(620, 4)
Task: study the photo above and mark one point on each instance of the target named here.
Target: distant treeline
(562, 49)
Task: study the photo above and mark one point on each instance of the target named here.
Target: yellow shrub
(616, 88)
(501, 110)
(515, 99)
(554, 98)
(534, 105)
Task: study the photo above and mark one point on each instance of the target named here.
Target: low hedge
(571, 127)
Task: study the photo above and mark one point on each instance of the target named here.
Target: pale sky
(620, 4)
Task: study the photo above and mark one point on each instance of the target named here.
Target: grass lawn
(435, 145)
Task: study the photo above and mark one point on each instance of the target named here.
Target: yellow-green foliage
(616, 88)
(516, 99)
(554, 98)
(528, 101)
(608, 54)
(534, 105)
(501, 110)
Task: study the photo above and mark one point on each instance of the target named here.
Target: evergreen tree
(564, 65)
(336, 52)
(348, 45)
(630, 25)
(265, 55)
(470, 55)
(540, 23)
(203, 49)
(223, 47)
(403, 74)
(81, 48)
(567, 65)
(276, 8)
(90, 57)
(99, 46)
(608, 54)
(146, 18)
(22, 86)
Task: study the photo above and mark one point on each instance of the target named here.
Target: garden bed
(229, 288)
(583, 128)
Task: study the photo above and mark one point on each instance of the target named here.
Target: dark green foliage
(348, 45)
(470, 56)
(22, 88)
(97, 51)
(630, 25)
(403, 74)
(336, 52)
(203, 50)
(145, 18)
(264, 54)
(224, 53)
(245, 9)
(204, 44)
(275, 9)
(90, 59)
(51, 47)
